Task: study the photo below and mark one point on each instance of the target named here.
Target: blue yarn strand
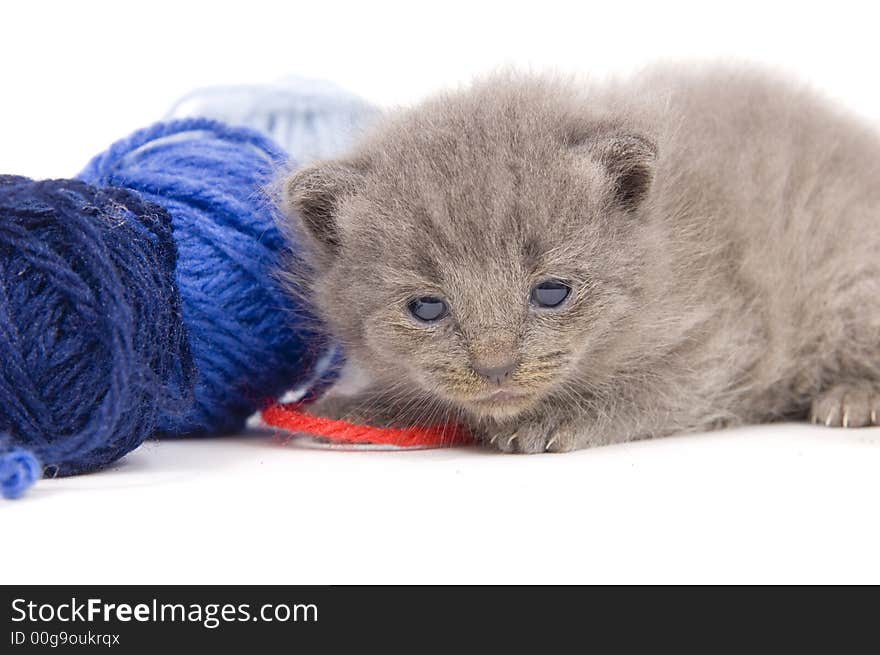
(19, 470)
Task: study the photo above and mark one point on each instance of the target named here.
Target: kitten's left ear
(629, 158)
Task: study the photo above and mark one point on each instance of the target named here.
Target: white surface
(774, 503)
(780, 504)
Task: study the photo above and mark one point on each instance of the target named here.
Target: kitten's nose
(496, 374)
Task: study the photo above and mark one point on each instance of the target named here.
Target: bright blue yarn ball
(249, 338)
(92, 346)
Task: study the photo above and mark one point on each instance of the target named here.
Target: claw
(492, 440)
(846, 418)
(550, 443)
(510, 441)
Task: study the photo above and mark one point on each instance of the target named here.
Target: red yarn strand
(291, 417)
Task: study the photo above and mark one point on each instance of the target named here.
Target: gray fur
(719, 227)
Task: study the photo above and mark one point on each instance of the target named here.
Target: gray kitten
(560, 266)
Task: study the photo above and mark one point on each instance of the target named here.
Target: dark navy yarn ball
(92, 346)
(248, 337)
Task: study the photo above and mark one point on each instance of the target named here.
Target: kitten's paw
(847, 406)
(530, 438)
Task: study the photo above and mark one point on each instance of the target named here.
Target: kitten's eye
(428, 308)
(550, 293)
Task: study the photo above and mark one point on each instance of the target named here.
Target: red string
(291, 417)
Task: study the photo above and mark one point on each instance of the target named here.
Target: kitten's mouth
(500, 403)
(500, 396)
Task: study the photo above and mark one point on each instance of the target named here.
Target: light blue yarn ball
(250, 340)
(311, 119)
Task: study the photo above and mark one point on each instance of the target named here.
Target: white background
(765, 504)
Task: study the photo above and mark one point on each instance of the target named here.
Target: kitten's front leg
(383, 408)
(363, 408)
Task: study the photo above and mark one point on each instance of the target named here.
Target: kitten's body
(719, 228)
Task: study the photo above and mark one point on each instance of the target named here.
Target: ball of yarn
(311, 119)
(92, 345)
(248, 336)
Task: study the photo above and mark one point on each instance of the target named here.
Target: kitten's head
(479, 246)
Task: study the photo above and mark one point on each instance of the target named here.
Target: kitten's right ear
(313, 195)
